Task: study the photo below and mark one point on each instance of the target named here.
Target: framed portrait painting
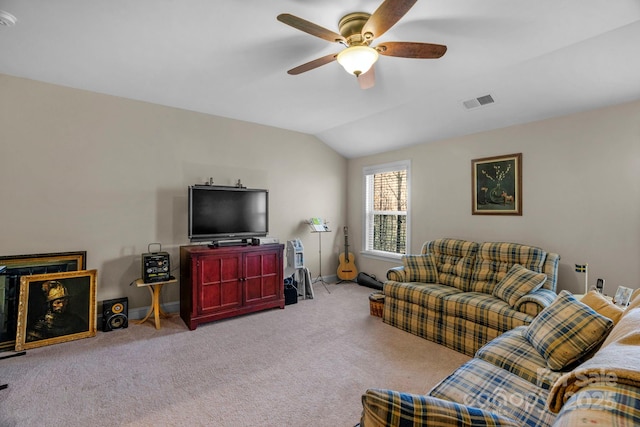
(12, 268)
(496, 185)
(55, 308)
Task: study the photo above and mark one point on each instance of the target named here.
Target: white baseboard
(174, 306)
(140, 312)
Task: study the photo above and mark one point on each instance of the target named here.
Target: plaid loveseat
(510, 381)
(462, 294)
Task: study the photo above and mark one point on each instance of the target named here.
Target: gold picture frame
(56, 308)
(496, 185)
(12, 268)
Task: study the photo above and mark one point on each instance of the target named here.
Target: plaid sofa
(447, 293)
(509, 382)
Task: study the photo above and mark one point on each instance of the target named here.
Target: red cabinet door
(219, 282)
(262, 276)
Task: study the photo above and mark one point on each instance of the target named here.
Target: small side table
(155, 289)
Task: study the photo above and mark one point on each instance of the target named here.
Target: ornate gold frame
(32, 309)
(33, 264)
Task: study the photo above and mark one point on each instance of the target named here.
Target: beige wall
(581, 189)
(84, 171)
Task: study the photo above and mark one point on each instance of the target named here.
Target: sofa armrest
(602, 404)
(396, 274)
(392, 408)
(536, 301)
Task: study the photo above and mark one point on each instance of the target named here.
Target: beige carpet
(305, 365)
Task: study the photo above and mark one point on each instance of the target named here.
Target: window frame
(402, 165)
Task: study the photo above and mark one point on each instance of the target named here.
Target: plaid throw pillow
(566, 331)
(518, 282)
(420, 268)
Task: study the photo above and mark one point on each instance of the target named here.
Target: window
(386, 204)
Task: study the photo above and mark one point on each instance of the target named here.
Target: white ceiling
(537, 58)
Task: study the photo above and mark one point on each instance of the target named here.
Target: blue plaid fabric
(533, 303)
(413, 318)
(396, 274)
(442, 313)
(518, 282)
(494, 259)
(482, 385)
(508, 382)
(454, 260)
(514, 353)
(480, 394)
(485, 310)
(420, 268)
(431, 297)
(550, 268)
(566, 331)
(385, 408)
(454, 247)
(463, 335)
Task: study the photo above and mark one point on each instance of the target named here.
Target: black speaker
(115, 314)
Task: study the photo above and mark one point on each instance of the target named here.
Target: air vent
(478, 102)
(7, 19)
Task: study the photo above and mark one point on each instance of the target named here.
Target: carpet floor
(305, 365)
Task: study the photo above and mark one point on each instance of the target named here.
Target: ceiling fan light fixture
(357, 60)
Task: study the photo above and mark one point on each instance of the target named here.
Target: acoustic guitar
(347, 269)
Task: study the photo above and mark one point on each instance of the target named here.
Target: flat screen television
(219, 213)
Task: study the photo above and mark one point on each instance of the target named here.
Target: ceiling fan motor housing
(351, 28)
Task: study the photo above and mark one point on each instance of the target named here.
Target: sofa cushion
(480, 384)
(454, 260)
(382, 408)
(431, 296)
(518, 282)
(464, 336)
(494, 259)
(514, 353)
(485, 310)
(600, 304)
(566, 331)
(420, 268)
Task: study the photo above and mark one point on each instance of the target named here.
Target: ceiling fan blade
(367, 80)
(313, 64)
(310, 28)
(385, 17)
(411, 50)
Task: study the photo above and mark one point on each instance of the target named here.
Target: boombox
(155, 266)
(115, 314)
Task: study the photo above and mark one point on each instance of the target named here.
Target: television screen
(217, 213)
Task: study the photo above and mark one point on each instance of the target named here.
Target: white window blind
(386, 206)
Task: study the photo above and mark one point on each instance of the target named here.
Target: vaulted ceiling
(537, 59)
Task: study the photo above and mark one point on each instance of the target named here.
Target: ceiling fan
(357, 32)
